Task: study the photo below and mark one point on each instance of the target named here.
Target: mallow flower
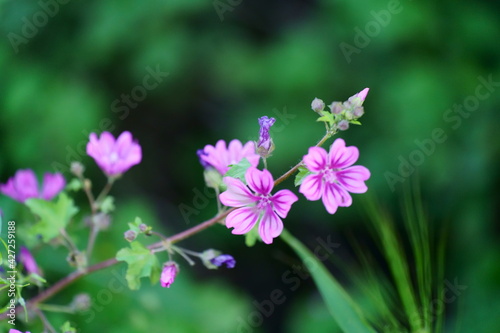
(221, 156)
(24, 186)
(333, 175)
(114, 157)
(13, 330)
(255, 204)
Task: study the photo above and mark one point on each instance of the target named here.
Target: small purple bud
(317, 105)
(81, 302)
(343, 125)
(200, 153)
(224, 259)
(130, 235)
(77, 168)
(170, 270)
(28, 261)
(359, 98)
(143, 227)
(336, 107)
(265, 146)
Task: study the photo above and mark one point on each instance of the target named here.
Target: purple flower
(255, 203)
(24, 186)
(114, 157)
(170, 270)
(224, 259)
(28, 261)
(13, 330)
(221, 157)
(333, 176)
(265, 145)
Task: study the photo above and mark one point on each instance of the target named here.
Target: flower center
(264, 202)
(329, 175)
(114, 157)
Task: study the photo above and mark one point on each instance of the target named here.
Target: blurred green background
(68, 66)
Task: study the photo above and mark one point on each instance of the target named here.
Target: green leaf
(134, 226)
(239, 170)
(107, 205)
(74, 185)
(141, 263)
(303, 172)
(54, 216)
(326, 118)
(67, 328)
(341, 306)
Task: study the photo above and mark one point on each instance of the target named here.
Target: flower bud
(265, 145)
(224, 259)
(28, 261)
(77, 168)
(170, 270)
(317, 105)
(81, 302)
(358, 111)
(359, 98)
(130, 235)
(343, 125)
(143, 227)
(336, 107)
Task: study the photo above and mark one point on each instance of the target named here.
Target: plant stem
(61, 284)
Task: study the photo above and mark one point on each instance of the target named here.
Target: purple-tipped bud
(28, 261)
(130, 235)
(317, 105)
(265, 146)
(343, 125)
(224, 259)
(336, 107)
(359, 98)
(143, 227)
(170, 270)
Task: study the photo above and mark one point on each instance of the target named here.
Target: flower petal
(282, 202)
(52, 185)
(316, 159)
(270, 226)
(334, 196)
(242, 219)
(24, 185)
(353, 178)
(312, 187)
(260, 182)
(237, 194)
(341, 156)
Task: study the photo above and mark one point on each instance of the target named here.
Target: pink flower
(221, 157)
(13, 330)
(170, 270)
(114, 157)
(255, 203)
(24, 186)
(28, 261)
(333, 176)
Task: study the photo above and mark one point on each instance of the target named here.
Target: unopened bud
(130, 235)
(358, 111)
(317, 105)
(336, 107)
(81, 302)
(77, 169)
(343, 125)
(143, 227)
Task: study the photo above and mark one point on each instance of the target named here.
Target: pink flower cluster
(24, 186)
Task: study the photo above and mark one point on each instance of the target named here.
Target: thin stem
(55, 308)
(294, 169)
(92, 237)
(45, 322)
(105, 190)
(61, 284)
(70, 242)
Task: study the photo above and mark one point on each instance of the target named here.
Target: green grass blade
(338, 302)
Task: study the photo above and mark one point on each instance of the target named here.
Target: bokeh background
(222, 65)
